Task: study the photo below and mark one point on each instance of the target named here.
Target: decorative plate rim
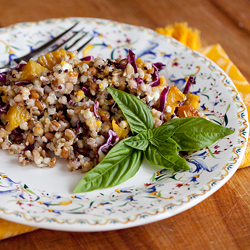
(158, 215)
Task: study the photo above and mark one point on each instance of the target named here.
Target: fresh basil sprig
(159, 145)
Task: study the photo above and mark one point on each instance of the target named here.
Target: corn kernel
(139, 61)
(98, 123)
(101, 86)
(80, 96)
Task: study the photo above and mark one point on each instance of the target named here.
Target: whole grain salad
(101, 116)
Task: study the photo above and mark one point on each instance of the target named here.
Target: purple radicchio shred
(3, 109)
(17, 131)
(87, 58)
(156, 80)
(119, 66)
(139, 80)
(22, 83)
(70, 101)
(111, 142)
(191, 80)
(86, 91)
(19, 67)
(95, 107)
(131, 60)
(29, 147)
(78, 127)
(2, 77)
(163, 98)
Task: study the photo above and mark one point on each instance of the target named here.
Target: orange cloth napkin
(191, 38)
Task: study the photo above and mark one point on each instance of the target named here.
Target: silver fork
(47, 46)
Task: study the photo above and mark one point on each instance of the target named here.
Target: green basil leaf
(140, 141)
(155, 142)
(137, 113)
(191, 133)
(120, 164)
(163, 132)
(166, 156)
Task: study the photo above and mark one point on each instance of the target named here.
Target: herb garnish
(159, 145)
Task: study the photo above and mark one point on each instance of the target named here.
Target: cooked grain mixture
(60, 104)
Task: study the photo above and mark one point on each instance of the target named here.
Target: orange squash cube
(15, 116)
(32, 70)
(51, 59)
(192, 100)
(188, 111)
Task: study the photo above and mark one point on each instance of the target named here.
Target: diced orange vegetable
(51, 59)
(192, 100)
(31, 70)
(187, 111)
(175, 97)
(163, 81)
(15, 116)
(122, 133)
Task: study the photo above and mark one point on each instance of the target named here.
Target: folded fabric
(9, 229)
(191, 38)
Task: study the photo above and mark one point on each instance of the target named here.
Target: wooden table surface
(222, 221)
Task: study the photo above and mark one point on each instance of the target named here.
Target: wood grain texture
(221, 221)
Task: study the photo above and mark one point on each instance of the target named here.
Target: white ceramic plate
(43, 197)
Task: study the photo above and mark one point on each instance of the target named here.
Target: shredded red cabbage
(78, 127)
(131, 60)
(95, 107)
(191, 80)
(119, 66)
(86, 91)
(3, 109)
(21, 83)
(156, 80)
(139, 80)
(87, 58)
(111, 142)
(2, 77)
(29, 147)
(163, 98)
